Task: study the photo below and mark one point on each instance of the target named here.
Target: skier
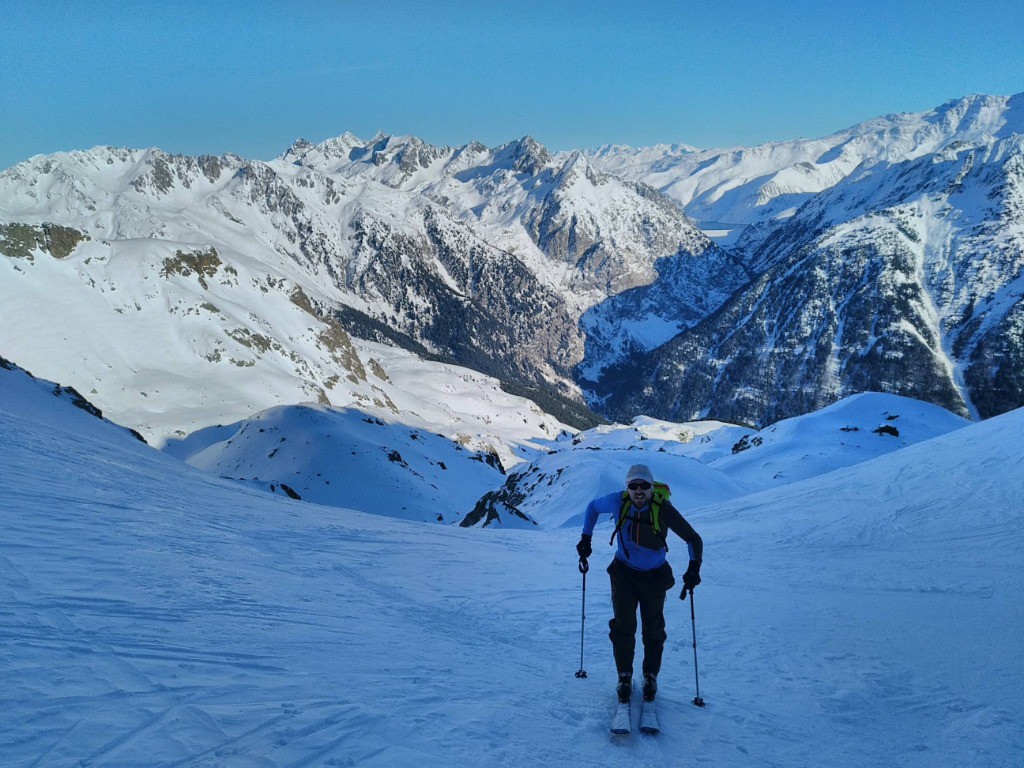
(640, 573)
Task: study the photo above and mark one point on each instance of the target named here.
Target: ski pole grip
(584, 565)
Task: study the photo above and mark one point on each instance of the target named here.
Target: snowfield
(156, 616)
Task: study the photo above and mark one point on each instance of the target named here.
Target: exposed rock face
(21, 241)
(903, 279)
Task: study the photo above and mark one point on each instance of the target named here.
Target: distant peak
(526, 155)
(299, 148)
(474, 147)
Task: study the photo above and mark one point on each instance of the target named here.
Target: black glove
(691, 578)
(583, 548)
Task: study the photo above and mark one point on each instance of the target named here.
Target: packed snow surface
(155, 615)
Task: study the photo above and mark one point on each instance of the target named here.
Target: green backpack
(660, 495)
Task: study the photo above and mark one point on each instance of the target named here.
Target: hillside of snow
(706, 462)
(845, 433)
(725, 190)
(156, 615)
(170, 338)
(348, 458)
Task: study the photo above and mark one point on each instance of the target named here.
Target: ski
(649, 718)
(621, 720)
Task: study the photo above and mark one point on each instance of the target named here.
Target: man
(640, 573)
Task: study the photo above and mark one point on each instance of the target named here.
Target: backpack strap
(622, 517)
(660, 494)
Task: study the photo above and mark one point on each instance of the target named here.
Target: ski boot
(624, 689)
(650, 687)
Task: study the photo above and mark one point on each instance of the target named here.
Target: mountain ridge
(549, 271)
(903, 276)
(504, 296)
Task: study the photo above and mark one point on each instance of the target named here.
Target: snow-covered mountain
(155, 615)
(903, 274)
(182, 270)
(429, 453)
(180, 292)
(728, 190)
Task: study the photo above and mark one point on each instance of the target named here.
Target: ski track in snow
(155, 616)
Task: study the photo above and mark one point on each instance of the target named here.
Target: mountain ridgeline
(747, 285)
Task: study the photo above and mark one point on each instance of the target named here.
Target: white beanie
(639, 472)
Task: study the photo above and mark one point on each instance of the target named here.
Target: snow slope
(153, 615)
(853, 430)
(706, 462)
(348, 458)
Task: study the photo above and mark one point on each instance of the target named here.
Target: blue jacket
(638, 546)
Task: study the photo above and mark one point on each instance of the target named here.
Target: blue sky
(213, 77)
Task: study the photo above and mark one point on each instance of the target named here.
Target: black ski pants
(632, 589)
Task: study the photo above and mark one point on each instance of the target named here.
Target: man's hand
(583, 548)
(691, 578)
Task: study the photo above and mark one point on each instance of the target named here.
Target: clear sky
(250, 77)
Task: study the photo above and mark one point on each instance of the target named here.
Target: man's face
(639, 492)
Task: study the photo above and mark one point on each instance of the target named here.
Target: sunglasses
(639, 486)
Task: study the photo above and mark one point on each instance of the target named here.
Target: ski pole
(698, 701)
(584, 567)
